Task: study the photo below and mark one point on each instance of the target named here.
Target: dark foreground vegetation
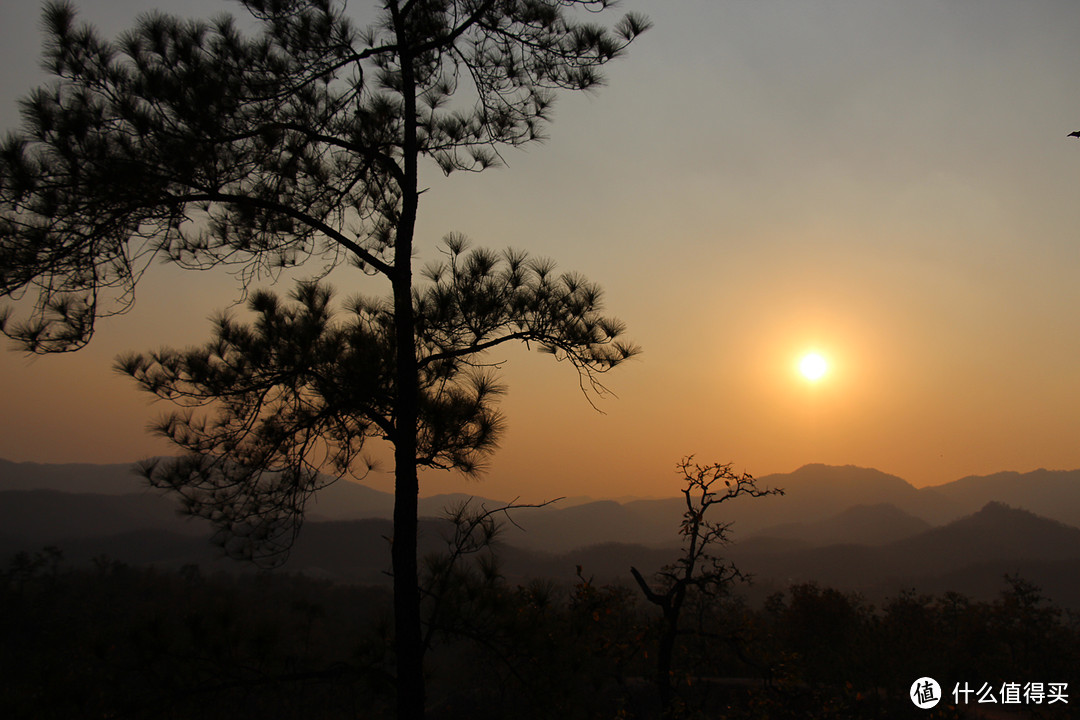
(116, 641)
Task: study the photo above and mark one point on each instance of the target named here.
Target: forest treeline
(119, 641)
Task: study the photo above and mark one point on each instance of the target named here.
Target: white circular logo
(925, 693)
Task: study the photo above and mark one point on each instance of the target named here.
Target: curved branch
(312, 222)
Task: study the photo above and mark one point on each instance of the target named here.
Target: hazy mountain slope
(75, 477)
(812, 494)
(995, 532)
(1052, 493)
(997, 537)
(556, 530)
(436, 506)
(50, 516)
(348, 500)
(341, 500)
(816, 492)
(861, 525)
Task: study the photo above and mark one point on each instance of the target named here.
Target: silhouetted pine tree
(194, 142)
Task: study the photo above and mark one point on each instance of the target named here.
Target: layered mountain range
(853, 528)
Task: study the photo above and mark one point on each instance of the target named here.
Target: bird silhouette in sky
(1074, 134)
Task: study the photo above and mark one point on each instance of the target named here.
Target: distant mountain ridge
(813, 493)
(848, 526)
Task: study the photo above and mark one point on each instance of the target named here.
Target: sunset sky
(888, 184)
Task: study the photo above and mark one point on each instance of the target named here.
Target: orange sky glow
(888, 184)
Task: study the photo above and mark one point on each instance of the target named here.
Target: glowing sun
(813, 366)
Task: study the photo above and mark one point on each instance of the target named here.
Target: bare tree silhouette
(698, 569)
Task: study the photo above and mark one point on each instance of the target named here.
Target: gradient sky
(886, 182)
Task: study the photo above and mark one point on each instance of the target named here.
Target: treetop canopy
(197, 143)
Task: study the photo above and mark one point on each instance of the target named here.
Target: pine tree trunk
(408, 634)
(409, 642)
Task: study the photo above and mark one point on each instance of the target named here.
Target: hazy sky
(887, 182)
